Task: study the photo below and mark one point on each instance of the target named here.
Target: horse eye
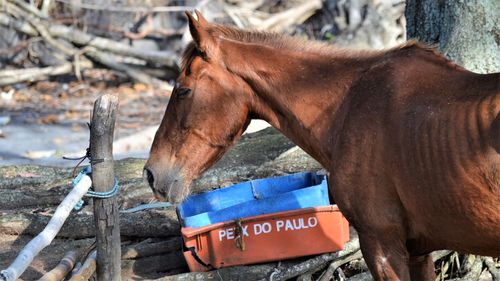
(183, 92)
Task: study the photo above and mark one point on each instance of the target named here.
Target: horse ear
(198, 29)
(201, 18)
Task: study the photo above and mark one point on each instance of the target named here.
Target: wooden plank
(106, 214)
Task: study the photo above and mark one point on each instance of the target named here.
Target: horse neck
(299, 93)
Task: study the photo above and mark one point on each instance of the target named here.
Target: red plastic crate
(266, 238)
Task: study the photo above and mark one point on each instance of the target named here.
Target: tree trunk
(466, 31)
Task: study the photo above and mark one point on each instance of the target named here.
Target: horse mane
(272, 39)
(282, 41)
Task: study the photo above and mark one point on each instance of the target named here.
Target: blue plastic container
(256, 197)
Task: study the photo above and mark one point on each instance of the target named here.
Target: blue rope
(90, 193)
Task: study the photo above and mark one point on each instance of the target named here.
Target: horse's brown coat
(410, 139)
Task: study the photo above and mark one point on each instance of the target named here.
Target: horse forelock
(190, 52)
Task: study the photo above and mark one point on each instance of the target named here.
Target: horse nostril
(148, 175)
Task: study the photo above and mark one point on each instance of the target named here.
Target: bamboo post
(103, 178)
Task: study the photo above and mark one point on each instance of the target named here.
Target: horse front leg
(422, 268)
(386, 255)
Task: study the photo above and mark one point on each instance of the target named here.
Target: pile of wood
(143, 41)
(54, 45)
(62, 49)
(151, 243)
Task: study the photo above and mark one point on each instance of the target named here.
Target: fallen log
(21, 198)
(264, 272)
(305, 277)
(147, 249)
(148, 223)
(153, 266)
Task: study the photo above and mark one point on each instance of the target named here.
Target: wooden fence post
(103, 177)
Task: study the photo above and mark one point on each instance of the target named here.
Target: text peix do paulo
(268, 227)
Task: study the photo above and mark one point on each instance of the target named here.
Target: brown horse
(411, 140)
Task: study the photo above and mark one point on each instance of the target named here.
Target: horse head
(207, 113)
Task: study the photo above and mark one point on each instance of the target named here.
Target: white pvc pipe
(45, 237)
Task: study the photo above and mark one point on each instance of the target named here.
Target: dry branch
(87, 269)
(246, 16)
(351, 248)
(79, 37)
(114, 8)
(40, 27)
(437, 255)
(133, 73)
(46, 5)
(490, 264)
(327, 275)
(29, 8)
(474, 272)
(62, 269)
(298, 14)
(18, 24)
(8, 77)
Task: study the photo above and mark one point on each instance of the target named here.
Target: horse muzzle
(167, 186)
